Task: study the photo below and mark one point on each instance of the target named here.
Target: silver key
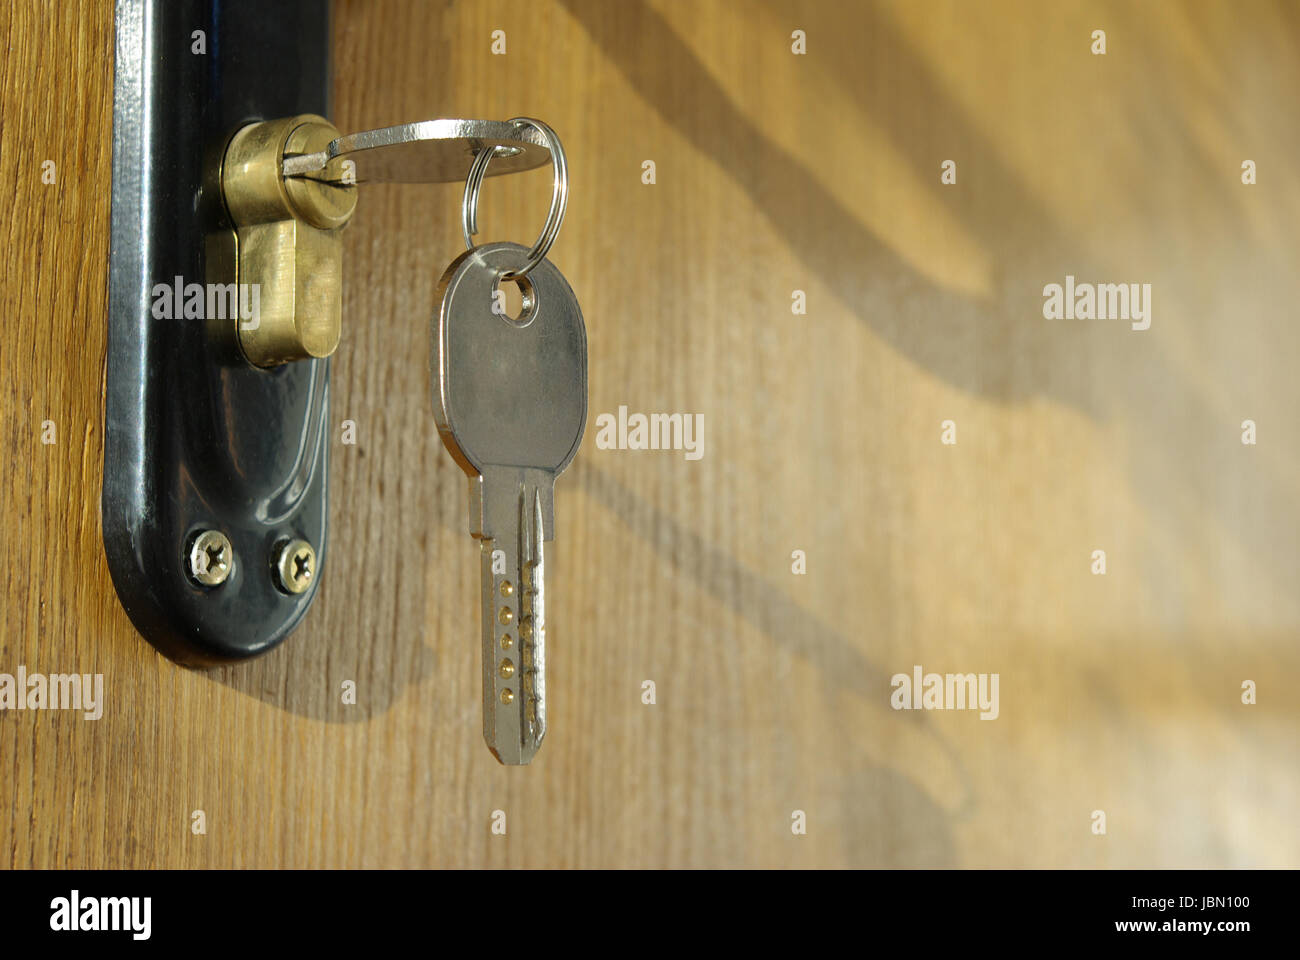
(511, 408)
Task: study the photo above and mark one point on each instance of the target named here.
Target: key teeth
(532, 599)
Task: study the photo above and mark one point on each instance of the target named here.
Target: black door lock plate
(215, 472)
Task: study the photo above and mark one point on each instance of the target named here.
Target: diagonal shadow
(997, 347)
(770, 611)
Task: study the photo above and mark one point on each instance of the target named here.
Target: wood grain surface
(774, 173)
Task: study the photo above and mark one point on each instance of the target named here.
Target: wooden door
(799, 274)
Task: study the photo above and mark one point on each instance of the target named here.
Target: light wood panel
(775, 172)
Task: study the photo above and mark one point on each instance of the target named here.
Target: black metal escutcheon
(196, 438)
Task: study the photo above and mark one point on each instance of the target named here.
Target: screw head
(211, 558)
(294, 565)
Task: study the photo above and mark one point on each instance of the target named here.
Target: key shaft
(509, 514)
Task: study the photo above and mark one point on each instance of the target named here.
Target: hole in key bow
(515, 300)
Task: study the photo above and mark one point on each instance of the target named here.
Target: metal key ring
(559, 197)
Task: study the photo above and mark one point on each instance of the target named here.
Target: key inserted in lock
(214, 501)
(290, 187)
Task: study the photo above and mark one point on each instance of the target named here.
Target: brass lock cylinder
(288, 240)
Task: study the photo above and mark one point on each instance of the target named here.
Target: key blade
(515, 505)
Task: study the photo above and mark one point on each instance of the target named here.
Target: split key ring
(559, 196)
